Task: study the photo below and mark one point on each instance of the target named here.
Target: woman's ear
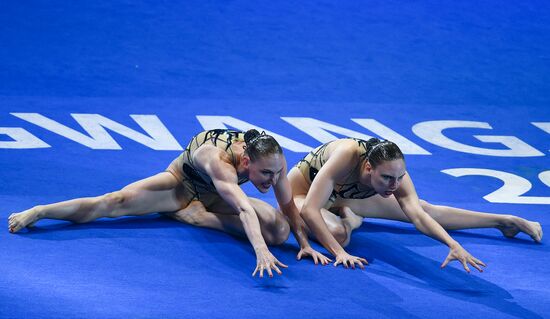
(245, 160)
(368, 167)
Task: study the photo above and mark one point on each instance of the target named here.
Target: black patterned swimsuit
(184, 168)
(351, 188)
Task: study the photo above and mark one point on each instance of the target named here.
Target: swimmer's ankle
(38, 210)
(507, 221)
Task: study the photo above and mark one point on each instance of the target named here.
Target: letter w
(94, 124)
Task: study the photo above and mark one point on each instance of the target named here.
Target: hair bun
(250, 135)
(373, 141)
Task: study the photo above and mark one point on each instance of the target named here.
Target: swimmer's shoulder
(347, 146)
(347, 152)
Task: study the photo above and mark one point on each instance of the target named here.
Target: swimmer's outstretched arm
(337, 166)
(410, 204)
(283, 193)
(225, 179)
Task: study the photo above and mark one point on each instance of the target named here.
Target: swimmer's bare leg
(196, 214)
(72, 210)
(340, 226)
(274, 227)
(352, 220)
(509, 225)
(153, 194)
(449, 218)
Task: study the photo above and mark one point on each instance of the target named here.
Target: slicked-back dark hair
(380, 151)
(260, 144)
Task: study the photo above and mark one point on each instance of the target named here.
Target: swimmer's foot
(348, 216)
(17, 221)
(512, 225)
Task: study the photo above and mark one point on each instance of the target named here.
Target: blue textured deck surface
(398, 62)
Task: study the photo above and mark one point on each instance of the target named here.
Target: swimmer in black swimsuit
(201, 187)
(341, 182)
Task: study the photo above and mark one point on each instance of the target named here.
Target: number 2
(514, 186)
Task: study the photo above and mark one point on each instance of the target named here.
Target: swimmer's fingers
(345, 263)
(359, 262)
(349, 261)
(315, 255)
(320, 258)
(476, 266)
(477, 263)
(299, 256)
(280, 264)
(259, 269)
(324, 259)
(465, 265)
(256, 271)
(277, 270)
(457, 252)
(268, 264)
(446, 261)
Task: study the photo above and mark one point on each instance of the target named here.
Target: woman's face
(265, 171)
(387, 176)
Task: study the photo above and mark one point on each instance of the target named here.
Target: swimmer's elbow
(244, 210)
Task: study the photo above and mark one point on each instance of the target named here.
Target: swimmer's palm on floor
(315, 255)
(265, 261)
(464, 257)
(349, 261)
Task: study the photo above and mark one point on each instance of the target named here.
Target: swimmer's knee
(283, 231)
(425, 205)
(341, 235)
(112, 203)
(279, 233)
(431, 209)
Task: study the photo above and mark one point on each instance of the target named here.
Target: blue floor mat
(153, 75)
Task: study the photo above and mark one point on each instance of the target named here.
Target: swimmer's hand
(349, 261)
(458, 253)
(317, 256)
(265, 261)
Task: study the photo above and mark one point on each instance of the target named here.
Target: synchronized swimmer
(201, 187)
(326, 196)
(354, 179)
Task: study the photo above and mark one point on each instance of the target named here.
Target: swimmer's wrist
(454, 244)
(337, 251)
(260, 248)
